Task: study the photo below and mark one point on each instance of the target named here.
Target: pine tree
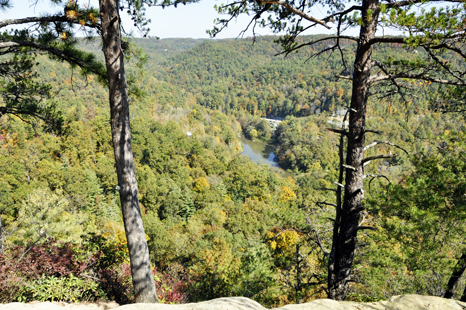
(430, 34)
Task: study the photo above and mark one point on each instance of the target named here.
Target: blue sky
(185, 21)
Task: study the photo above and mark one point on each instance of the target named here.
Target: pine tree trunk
(463, 297)
(143, 281)
(456, 275)
(1, 236)
(350, 213)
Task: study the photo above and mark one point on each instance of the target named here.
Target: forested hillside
(218, 224)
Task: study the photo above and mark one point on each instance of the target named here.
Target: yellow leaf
(71, 14)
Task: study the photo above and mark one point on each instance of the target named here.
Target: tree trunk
(456, 275)
(336, 224)
(1, 236)
(463, 297)
(143, 281)
(350, 213)
(299, 284)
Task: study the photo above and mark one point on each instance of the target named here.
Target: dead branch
(366, 228)
(339, 131)
(367, 160)
(384, 142)
(374, 176)
(326, 203)
(339, 184)
(349, 167)
(326, 189)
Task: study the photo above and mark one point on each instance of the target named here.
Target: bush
(98, 269)
(54, 271)
(172, 284)
(70, 289)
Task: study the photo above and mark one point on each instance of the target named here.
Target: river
(258, 151)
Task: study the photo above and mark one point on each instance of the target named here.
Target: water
(259, 151)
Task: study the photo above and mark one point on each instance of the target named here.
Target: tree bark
(143, 281)
(1, 236)
(455, 276)
(299, 284)
(463, 297)
(354, 193)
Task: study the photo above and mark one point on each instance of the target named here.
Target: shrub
(54, 271)
(171, 285)
(70, 289)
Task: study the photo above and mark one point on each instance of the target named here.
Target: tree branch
(43, 19)
(340, 131)
(339, 184)
(373, 131)
(404, 3)
(374, 176)
(326, 189)
(384, 142)
(349, 167)
(54, 51)
(297, 12)
(326, 203)
(318, 41)
(370, 158)
(345, 12)
(365, 228)
(319, 242)
(394, 81)
(345, 77)
(379, 78)
(442, 64)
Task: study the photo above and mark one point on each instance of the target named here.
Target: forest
(216, 223)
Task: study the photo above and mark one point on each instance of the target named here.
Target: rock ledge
(403, 302)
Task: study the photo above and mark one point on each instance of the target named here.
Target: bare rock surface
(404, 302)
(100, 305)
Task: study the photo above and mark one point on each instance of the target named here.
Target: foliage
(70, 288)
(45, 215)
(171, 286)
(220, 235)
(370, 74)
(23, 96)
(421, 221)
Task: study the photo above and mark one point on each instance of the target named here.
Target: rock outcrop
(404, 302)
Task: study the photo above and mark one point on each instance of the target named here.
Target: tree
(53, 35)
(425, 212)
(45, 215)
(429, 33)
(143, 281)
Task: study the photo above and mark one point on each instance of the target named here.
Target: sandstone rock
(403, 302)
(104, 305)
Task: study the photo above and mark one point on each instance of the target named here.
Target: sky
(185, 21)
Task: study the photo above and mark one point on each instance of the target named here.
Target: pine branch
(297, 12)
(45, 19)
(318, 41)
(379, 78)
(71, 59)
(400, 4)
